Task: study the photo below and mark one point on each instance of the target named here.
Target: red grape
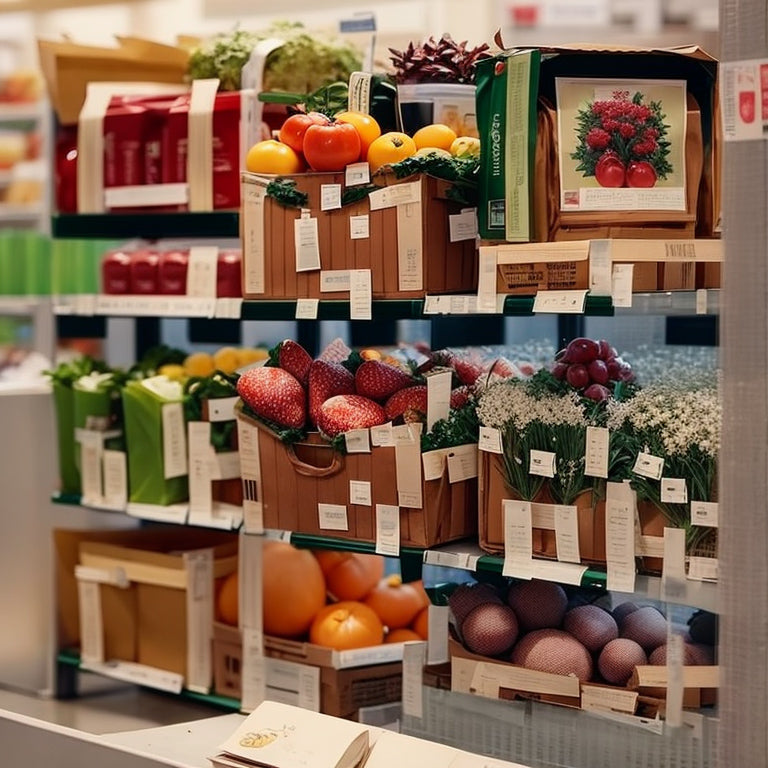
(577, 375)
(559, 370)
(598, 371)
(582, 350)
(597, 392)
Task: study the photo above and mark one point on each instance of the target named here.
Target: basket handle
(308, 470)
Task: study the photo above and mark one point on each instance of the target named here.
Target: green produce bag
(507, 87)
(69, 474)
(97, 406)
(155, 435)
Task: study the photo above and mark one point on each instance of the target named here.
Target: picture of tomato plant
(622, 141)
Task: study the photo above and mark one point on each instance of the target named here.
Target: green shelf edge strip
(72, 659)
(412, 557)
(151, 226)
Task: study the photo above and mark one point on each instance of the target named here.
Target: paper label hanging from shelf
(647, 465)
(567, 533)
(306, 309)
(221, 408)
(250, 578)
(330, 197)
(674, 490)
(200, 143)
(252, 670)
(673, 585)
(702, 568)
(381, 436)
(518, 539)
(542, 463)
(705, 513)
(560, 302)
(159, 513)
(395, 195)
(490, 440)
(332, 517)
(359, 227)
(254, 196)
(250, 471)
(174, 441)
(387, 530)
(438, 397)
(408, 466)
(462, 226)
(701, 301)
(334, 280)
(199, 569)
(356, 174)
(201, 271)
(486, 280)
(91, 453)
(410, 257)
(115, 469)
(414, 659)
(620, 537)
(91, 621)
(600, 280)
(358, 441)
(292, 683)
(437, 632)
(462, 463)
(200, 456)
(360, 492)
(360, 91)
(138, 674)
(307, 244)
(621, 284)
(596, 457)
(360, 294)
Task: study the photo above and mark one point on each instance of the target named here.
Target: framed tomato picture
(622, 144)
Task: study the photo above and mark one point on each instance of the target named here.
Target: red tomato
(610, 173)
(641, 173)
(331, 147)
(293, 129)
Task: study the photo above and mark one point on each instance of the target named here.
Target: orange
(271, 156)
(389, 148)
(366, 126)
(227, 609)
(435, 135)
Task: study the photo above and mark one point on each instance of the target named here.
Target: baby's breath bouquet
(678, 422)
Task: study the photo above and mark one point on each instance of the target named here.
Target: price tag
(115, 479)
(647, 465)
(675, 680)
(596, 458)
(356, 174)
(600, 283)
(702, 568)
(174, 441)
(91, 452)
(705, 513)
(306, 244)
(701, 301)
(518, 539)
(221, 408)
(674, 490)
(332, 517)
(438, 397)
(360, 294)
(357, 441)
(673, 571)
(463, 226)
(201, 271)
(359, 227)
(462, 463)
(542, 463)
(621, 280)
(414, 658)
(433, 463)
(334, 281)
(387, 530)
(360, 492)
(560, 302)
(567, 533)
(306, 309)
(490, 440)
(486, 281)
(382, 436)
(620, 538)
(330, 197)
(437, 632)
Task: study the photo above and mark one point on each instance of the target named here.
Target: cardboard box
(342, 691)
(644, 694)
(492, 490)
(68, 68)
(125, 596)
(408, 248)
(302, 479)
(528, 79)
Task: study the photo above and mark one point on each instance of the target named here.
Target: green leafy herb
(284, 192)
(357, 193)
(156, 357)
(461, 427)
(197, 390)
(462, 172)
(66, 374)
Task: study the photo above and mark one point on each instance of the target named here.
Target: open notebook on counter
(279, 735)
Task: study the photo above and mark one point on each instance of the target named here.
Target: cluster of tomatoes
(313, 141)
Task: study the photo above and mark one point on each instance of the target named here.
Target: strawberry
(274, 394)
(327, 379)
(410, 403)
(503, 368)
(292, 357)
(378, 380)
(344, 412)
(467, 372)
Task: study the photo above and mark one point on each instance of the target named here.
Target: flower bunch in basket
(678, 422)
(622, 141)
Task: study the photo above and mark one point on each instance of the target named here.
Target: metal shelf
(149, 226)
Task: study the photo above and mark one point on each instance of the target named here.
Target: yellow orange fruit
(366, 126)
(272, 156)
(465, 146)
(436, 135)
(391, 147)
(402, 635)
(172, 371)
(227, 606)
(226, 359)
(199, 364)
(250, 355)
